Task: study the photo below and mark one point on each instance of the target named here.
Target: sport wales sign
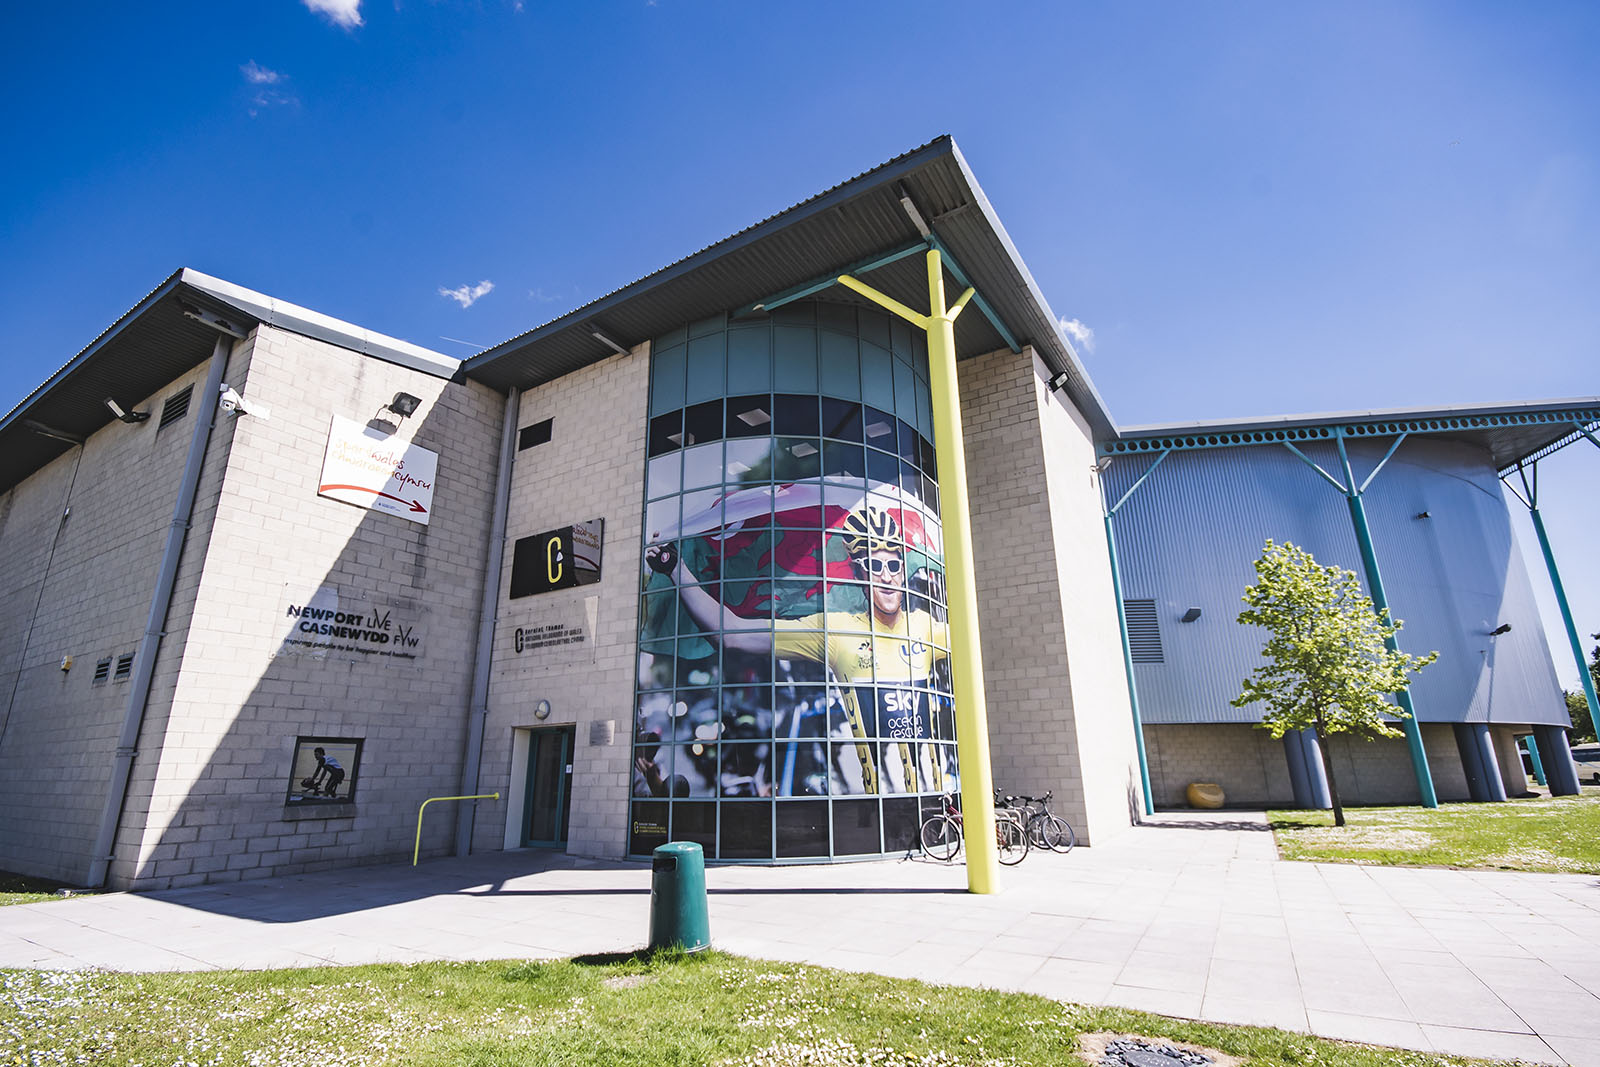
(370, 470)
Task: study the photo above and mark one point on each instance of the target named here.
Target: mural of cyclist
(883, 659)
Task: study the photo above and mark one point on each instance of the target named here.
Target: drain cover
(1126, 1053)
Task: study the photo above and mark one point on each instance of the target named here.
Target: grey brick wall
(591, 468)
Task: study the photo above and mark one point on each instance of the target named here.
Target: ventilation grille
(102, 671)
(176, 407)
(537, 434)
(1144, 632)
(124, 667)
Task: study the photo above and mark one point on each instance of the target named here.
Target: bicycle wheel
(941, 838)
(1012, 839)
(1051, 832)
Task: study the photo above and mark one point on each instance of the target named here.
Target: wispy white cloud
(344, 13)
(467, 295)
(1078, 333)
(256, 74)
(269, 88)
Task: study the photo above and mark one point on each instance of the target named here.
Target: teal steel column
(1566, 615)
(1532, 750)
(1127, 665)
(1380, 600)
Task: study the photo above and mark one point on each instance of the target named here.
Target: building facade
(673, 566)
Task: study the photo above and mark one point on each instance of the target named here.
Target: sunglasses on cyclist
(893, 565)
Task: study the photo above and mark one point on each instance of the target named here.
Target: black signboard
(557, 559)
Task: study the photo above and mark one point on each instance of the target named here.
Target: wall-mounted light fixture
(66, 664)
(1191, 615)
(1059, 382)
(126, 416)
(1423, 515)
(1503, 628)
(404, 404)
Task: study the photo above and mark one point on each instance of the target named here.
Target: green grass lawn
(710, 1009)
(1560, 834)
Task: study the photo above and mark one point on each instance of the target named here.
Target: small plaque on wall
(602, 732)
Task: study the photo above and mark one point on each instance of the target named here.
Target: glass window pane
(797, 459)
(795, 362)
(746, 830)
(750, 416)
(795, 416)
(902, 822)
(694, 770)
(696, 821)
(905, 394)
(880, 428)
(703, 423)
(843, 463)
(855, 828)
(652, 722)
(698, 671)
(877, 377)
(801, 768)
(749, 462)
(746, 769)
(802, 710)
(702, 510)
(853, 767)
(841, 366)
(841, 419)
(702, 465)
(664, 475)
(840, 318)
(661, 519)
(666, 380)
(702, 327)
(666, 432)
(750, 359)
(656, 671)
(882, 469)
(924, 409)
(707, 357)
(874, 326)
(647, 828)
(746, 712)
(900, 332)
(802, 829)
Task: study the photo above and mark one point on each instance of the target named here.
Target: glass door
(549, 789)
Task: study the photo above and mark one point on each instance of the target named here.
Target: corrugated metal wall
(1188, 536)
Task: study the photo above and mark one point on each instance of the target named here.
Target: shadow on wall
(366, 655)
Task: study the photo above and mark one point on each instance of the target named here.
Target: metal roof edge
(1273, 422)
(1100, 416)
(110, 332)
(314, 324)
(828, 198)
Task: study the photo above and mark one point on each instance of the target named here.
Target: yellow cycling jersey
(880, 671)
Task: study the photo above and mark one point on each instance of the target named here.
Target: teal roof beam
(1308, 461)
(1148, 472)
(817, 285)
(983, 305)
(1386, 457)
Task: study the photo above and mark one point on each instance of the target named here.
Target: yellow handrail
(417, 849)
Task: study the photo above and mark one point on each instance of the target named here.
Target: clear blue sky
(1256, 208)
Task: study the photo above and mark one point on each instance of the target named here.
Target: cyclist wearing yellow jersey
(883, 658)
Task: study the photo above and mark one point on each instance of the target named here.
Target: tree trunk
(1327, 767)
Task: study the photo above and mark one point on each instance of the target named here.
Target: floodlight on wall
(1191, 615)
(1423, 515)
(404, 404)
(1059, 382)
(1503, 628)
(126, 416)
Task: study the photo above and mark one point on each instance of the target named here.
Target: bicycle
(1046, 829)
(941, 834)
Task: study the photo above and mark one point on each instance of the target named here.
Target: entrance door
(549, 791)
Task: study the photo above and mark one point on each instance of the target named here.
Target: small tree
(1578, 704)
(1327, 667)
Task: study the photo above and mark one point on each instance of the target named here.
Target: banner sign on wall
(558, 635)
(557, 559)
(370, 470)
(329, 626)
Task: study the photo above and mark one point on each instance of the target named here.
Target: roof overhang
(865, 219)
(161, 338)
(1509, 433)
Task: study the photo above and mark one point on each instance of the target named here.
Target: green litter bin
(678, 897)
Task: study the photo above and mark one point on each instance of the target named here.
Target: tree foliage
(1326, 667)
(1578, 704)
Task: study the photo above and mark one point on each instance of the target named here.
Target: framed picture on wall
(324, 770)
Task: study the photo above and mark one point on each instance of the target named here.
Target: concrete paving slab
(1191, 915)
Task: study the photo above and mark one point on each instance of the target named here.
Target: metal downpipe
(144, 660)
(478, 702)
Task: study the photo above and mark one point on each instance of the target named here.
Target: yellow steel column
(961, 587)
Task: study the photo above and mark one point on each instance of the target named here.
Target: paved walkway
(1191, 915)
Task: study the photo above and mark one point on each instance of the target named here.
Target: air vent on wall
(102, 671)
(176, 407)
(124, 667)
(537, 434)
(1144, 632)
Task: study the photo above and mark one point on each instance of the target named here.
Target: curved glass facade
(793, 696)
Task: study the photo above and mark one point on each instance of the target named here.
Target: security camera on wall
(234, 404)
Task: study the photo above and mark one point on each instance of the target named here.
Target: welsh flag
(716, 545)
